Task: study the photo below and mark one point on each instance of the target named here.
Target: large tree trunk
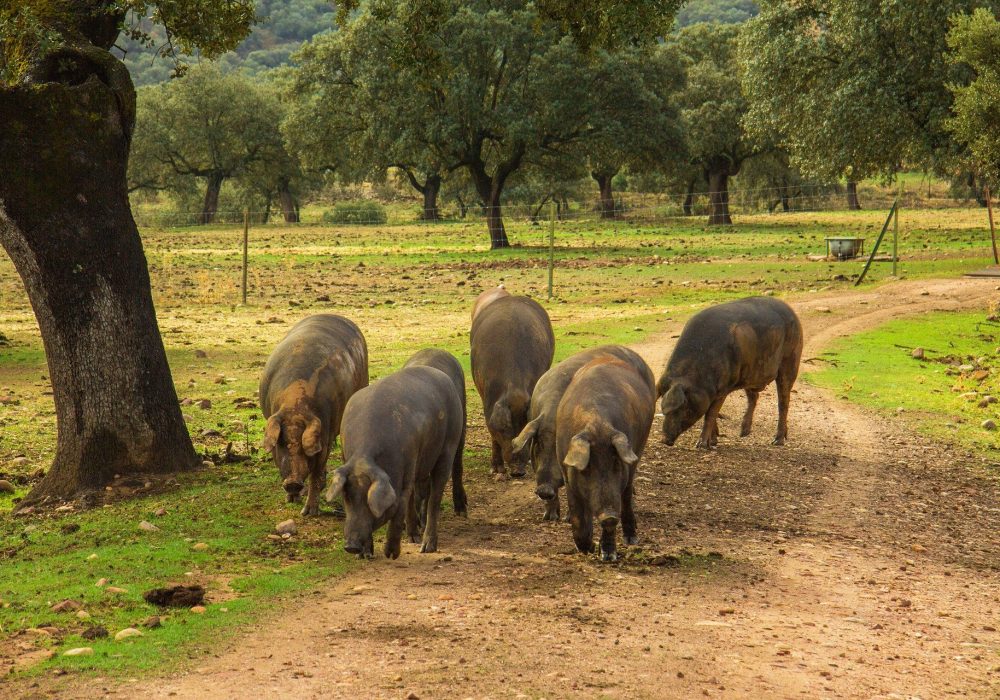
(289, 205)
(65, 223)
(430, 191)
(853, 203)
(211, 205)
(490, 189)
(718, 196)
(607, 196)
(688, 206)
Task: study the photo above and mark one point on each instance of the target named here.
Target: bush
(356, 213)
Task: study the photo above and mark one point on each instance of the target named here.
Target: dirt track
(859, 561)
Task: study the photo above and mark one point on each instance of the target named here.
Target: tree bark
(490, 189)
(718, 196)
(688, 206)
(432, 186)
(853, 203)
(289, 205)
(66, 225)
(211, 205)
(606, 203)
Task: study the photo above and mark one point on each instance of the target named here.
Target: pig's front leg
(709, 431)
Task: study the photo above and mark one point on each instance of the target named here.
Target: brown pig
(487, 298)
(306, 383)
(602, 424)
(745, 344)
(512, 346)
(539, 435)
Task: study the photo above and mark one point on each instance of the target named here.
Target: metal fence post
(552, 243)
(993, 230)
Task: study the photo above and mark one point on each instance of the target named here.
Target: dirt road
(860, 561)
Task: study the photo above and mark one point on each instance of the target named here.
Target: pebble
(37, 632)
(83, 614)
(918, 548)
(207, 464)
(126, 633)
(160, 512)
(824, 310)
(200, 354)
(286, 527)
(205, 404)
(989, 425)
(115, 590)
(19, 461)
(6, 486)
(146, 526)
(198, 609)
(79, 651)
(67, 605)
(152, 622)
(917, 354)
(101, 582)
(199, 546)
(92, 557)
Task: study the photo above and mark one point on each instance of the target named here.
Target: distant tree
(852, 88)
(213, 127)
(722, 11)
(713, 108)
(67, 109)
(974, 41)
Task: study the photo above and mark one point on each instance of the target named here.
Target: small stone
(210, 432)
(101, 582)
(146, 526)
(286, 527)
(19, 461)
(94, 632)
(824, 310)
(199, 547)
(126, 633)
(83, 614)
(200, 354)
(412, 696)
(207, 464)
(989, 424)
(221, 379)
(198, 609)
(92, 557)
(69, 528)
(966, 368)
(152, 622)
(6, 486)
(916, 547)
(115, 590)
(37, 632)
(286, 536)
(917, 354)
(79, 651)
(904, 603)
(273, 536)
(160, 512)
(990, 399)
(67, 605)
(204, 404)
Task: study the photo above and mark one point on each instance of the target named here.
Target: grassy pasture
(407, 286)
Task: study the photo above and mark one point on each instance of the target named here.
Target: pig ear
(312, 444)
(272, 432)
(662, 386)
(624, 449)
(674, 399)
(500, 418)
(381, 495)
(527, 435)
(337, 484)
(578, 455)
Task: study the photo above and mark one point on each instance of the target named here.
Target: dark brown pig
(539, 435)
(745, 344)
(487, 298)
(446, 362)
(512, 346)
(602, 424)
(305, 386)
(399, 434)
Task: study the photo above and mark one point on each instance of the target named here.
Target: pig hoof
(631, 540)
(609, 556)
(702, 445)
(551, 515)
(779, 441)
(310, 511)
(429, 548)
(500, 476)
(414, 539)
(391, 550)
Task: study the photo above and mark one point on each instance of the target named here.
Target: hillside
(284, 26)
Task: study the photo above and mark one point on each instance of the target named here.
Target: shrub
(365, 212)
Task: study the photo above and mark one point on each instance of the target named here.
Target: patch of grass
(940, 395)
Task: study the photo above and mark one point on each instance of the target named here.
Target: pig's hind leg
(747, 426)
(784, 383)
(438, 482)
(628, 516)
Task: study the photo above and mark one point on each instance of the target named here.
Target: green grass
(876, 369)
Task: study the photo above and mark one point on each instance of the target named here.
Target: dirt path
(860, 561)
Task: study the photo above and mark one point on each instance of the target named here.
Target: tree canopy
(722, 11)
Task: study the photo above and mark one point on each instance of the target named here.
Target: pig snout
(545, 492)
(293, 487)
(608, 519)
(365, 549)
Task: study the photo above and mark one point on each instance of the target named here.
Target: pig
(487, 298)
(512, 346)
(602, 424)
(399, 434)
(305, 386)
(744, 344)
(539, 435)
(446, 362)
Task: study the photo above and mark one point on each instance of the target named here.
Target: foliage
(850, 87)
(722, 11)
(364, 212)
(974, 41)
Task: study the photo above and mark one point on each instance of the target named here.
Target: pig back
(328, 355)
(512, 345)
(740, 344)
(445, 362)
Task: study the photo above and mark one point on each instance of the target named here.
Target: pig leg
(709, 431)
(582, 522)
(439, 479)
(458, 498)
(413, 528)
(784, 385)
(752, 396)
(394, 533)
(552, 509)
(499, 472)
(316, 479)
(628, 516)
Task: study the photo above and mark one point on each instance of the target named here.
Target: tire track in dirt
(859, 561)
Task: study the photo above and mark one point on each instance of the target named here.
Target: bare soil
(859, 561)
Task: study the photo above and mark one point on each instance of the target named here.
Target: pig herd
(582, 424)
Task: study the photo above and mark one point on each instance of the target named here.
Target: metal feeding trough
(844, 248)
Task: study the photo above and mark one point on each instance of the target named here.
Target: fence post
(993, 230)
(246, 236)
(878, 242)
(895, 230)
(552, 243)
